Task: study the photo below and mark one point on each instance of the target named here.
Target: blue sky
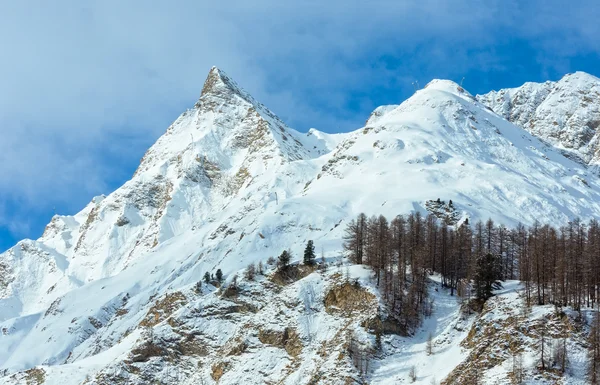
(87, 87)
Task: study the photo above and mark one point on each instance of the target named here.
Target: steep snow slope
(565, 113)
(229, 184)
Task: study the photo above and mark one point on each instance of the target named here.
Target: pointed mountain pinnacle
(219, 85)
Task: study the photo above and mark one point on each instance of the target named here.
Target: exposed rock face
(506, 331)
(349, 298)
(163, 308)
(565, 113)
(287, 339)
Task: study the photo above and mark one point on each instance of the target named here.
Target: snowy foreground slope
(228, 184)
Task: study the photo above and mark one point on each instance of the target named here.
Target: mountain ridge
(229, 184)
(564, 113)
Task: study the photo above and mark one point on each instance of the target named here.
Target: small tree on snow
(219, 275)
(207, 277)
(429, 345)
(261, 268)
(412, 374)
(517, 369)
(250, 272)
(309, 254)
(284, 259)
(323, 261)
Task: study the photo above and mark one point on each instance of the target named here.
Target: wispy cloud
(88, 86)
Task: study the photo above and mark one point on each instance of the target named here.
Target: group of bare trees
(558, 265)
(425, 244)
(398, 252)
(561, 265)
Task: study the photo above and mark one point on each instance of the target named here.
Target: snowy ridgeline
(565, 113)
(229, 184)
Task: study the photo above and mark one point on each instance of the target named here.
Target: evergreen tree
(207, 277)
(219, 275)
(284, 259)
(485, 276)
(309, 253)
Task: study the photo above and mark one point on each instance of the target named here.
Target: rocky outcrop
(565, 113)
(285, 339)
(349, 298)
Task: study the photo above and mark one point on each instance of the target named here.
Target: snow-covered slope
(229, 184)
(565, 113)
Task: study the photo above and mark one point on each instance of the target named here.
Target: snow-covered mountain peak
(437, 94)
(228, 147)
(217, 81)
(230, 184)
(221, 94)
(226, 127)
(219, 85)
(446, 85)
(580, 76)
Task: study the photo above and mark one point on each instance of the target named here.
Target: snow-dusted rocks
(566, 113)
(106, 290)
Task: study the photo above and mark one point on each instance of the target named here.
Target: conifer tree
(284, 259)
(207, 277)
(485, 276)
(309, 254)
(219, 275)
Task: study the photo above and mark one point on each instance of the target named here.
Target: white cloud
(87, 86)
